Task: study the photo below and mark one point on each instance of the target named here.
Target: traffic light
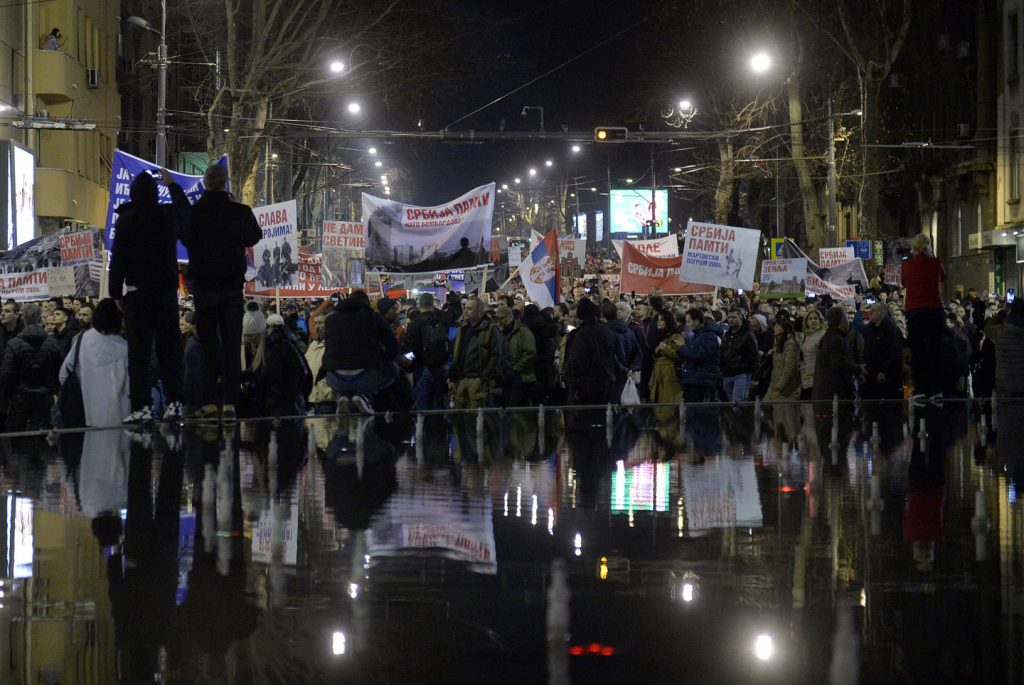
(611, 134)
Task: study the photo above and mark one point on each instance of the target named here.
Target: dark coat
(590, 367)
(31, 363)
(145, 249)
(7, 336)
(739, 351)
(628, 357)
(1010, 359)
(356, 337)
(836, 368)
(218, 231)
(702, 357)
(883, 353)
(287, 379)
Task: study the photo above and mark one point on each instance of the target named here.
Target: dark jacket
(835, 368)
(955, 355)
(287, 379)
(31, 363)
(629, 357)
(145, 249)
(477, 352)
(739, 351)
(7, 336)
(590, 367)
(701, 357)
(356, 337)
(544, 334)
(63, 339)
(1010, 359)
(883, 353)
(216, 236)
(415, 334)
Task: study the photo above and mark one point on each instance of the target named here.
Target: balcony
(56, 77)
(66, 195)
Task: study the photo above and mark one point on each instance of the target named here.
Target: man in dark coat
(835, 368)
(702, 371)
(216, 236)
(359, 352)
(590, 363)
(739, 356)
(883, 356)
(144, 283)
(28, 375)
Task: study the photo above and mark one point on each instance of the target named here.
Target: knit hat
(253, 321)
(761, 319)
(275, 320)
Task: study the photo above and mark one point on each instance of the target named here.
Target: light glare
(764, 648)
(337, 643)
(337, 67)
(760, 62)
(353, 108)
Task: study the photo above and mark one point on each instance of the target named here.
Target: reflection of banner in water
(262, 531)
(721, 494)
(644, 487)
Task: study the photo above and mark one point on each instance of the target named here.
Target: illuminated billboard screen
(22, 202)
(598, 226)
(580, 219)
(631, 207)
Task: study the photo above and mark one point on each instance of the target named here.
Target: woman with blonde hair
(923, 276)
(814, 329)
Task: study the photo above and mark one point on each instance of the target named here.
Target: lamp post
(161, 93)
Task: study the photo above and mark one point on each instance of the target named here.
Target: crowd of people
(145, 352)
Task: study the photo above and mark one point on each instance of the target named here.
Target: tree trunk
(726, 182)
(809, 201)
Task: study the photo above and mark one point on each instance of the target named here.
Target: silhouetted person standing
(923, 276)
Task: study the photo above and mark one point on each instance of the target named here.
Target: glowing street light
(575, 148)
(337, 67)
(338, 643)
(504, 186)
(685, 105)
(372, 151)
(760, 62)
(764, 648)
(354, 108)
(533, 172)
(378, 163)
(548, 163)
(518, 180)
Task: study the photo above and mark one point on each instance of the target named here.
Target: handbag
(70, 403)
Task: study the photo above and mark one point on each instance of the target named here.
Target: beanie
(253, 321)
(762, 320)
(275, 320)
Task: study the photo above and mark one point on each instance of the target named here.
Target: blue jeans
(737, 388)
(430, 387)
(367, 383)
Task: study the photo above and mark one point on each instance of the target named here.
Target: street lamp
(161, 93)
(354, 107)
(337, 67)
(575, 148)
(760, 62)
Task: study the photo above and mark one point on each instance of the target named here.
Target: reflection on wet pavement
(796, 546)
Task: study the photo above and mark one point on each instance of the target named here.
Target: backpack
(436, 345)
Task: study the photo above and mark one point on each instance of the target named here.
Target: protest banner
(840, 281)
(540, 274)
(61, 281)
(403, 237)
(836, 291)
(78, 247)
(894, 273)
(834, 256)
(277, 250)
(783, 278)
(25, 271)
(643, 274)
(660, 247)
(124, 169)
(567, 247)
(343, 260)
(725, 256)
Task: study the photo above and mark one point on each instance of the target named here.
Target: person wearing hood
(102, 367)
(702, 371)
(591, 366)
(739, 356)
(883, 356)
(144, 284)
(216, 236)
(287, 379)
(28, 375)
(519, 364)
(357, 342)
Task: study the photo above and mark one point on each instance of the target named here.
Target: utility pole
(830, 228)
(161, 93)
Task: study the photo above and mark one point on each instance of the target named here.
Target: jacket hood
(34, 335)
(347, 305)
(101, 350)
(144, 189)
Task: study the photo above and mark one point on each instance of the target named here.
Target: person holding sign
(923, 276)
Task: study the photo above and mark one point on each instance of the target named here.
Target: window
(1012, 44)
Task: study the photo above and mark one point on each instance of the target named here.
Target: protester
(63, 332)
(786, 379)
(591, 368)
(702, 373)
(321, 399)
(476, 358)
(29, 374)
(216, 236)
(286, 376)
(923, 276)
(10, 323)
(739, 356)
(1010, 353)
(628, 354)
(835, 368)
(883, 356)
(359, 349)
(664, 385)
(102, 367)
(254, 346)
(192, 376)
(144, 282)
(545, 335)
(428, 342)
(519, 362)
(84, 316)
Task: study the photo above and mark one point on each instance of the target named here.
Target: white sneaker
(144, 415)
(362, 404)
(173, 412)
(343, 405)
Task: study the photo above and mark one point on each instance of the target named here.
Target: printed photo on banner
(783, 278)
(343, 250)
(725, 256)
(840, 281)
(35, 270)
(453, 235)
(644, 274)
(661, 247)
(123, 171)
(274, 258)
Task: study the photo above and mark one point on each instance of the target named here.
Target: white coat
(103, 373)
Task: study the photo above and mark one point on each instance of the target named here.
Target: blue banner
(124, 170)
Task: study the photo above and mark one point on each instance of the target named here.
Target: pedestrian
(63, 332)
(1010, 353)
(955, 354)
(591, 367)
(785, 382)
(519, 362)
(427, 341)
(545, 336)
(286, 376)
(322, 397)
(29, 374)
(102, 367)
(216, 236)
(628, 354)
(739, 356)
(664, 385)
(144, 282)
(10, 323)
(814, 330)
(254, 346)
(359, 353)
(835, 368)
(476, 358)
(883, 356)
(923, 276)
(702, 372)
(84, 316)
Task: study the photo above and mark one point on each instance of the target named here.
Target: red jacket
(923, 277)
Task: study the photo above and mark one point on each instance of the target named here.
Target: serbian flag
(540, 272)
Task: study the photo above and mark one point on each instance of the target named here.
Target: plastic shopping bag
(630, 396)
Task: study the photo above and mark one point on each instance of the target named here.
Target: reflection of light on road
(533, 514)
(506, 504)
(353, 590)
(551, 521)
(764, 648)
(338, 643)
(602, 570)
(519, 501)
(578, 544)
